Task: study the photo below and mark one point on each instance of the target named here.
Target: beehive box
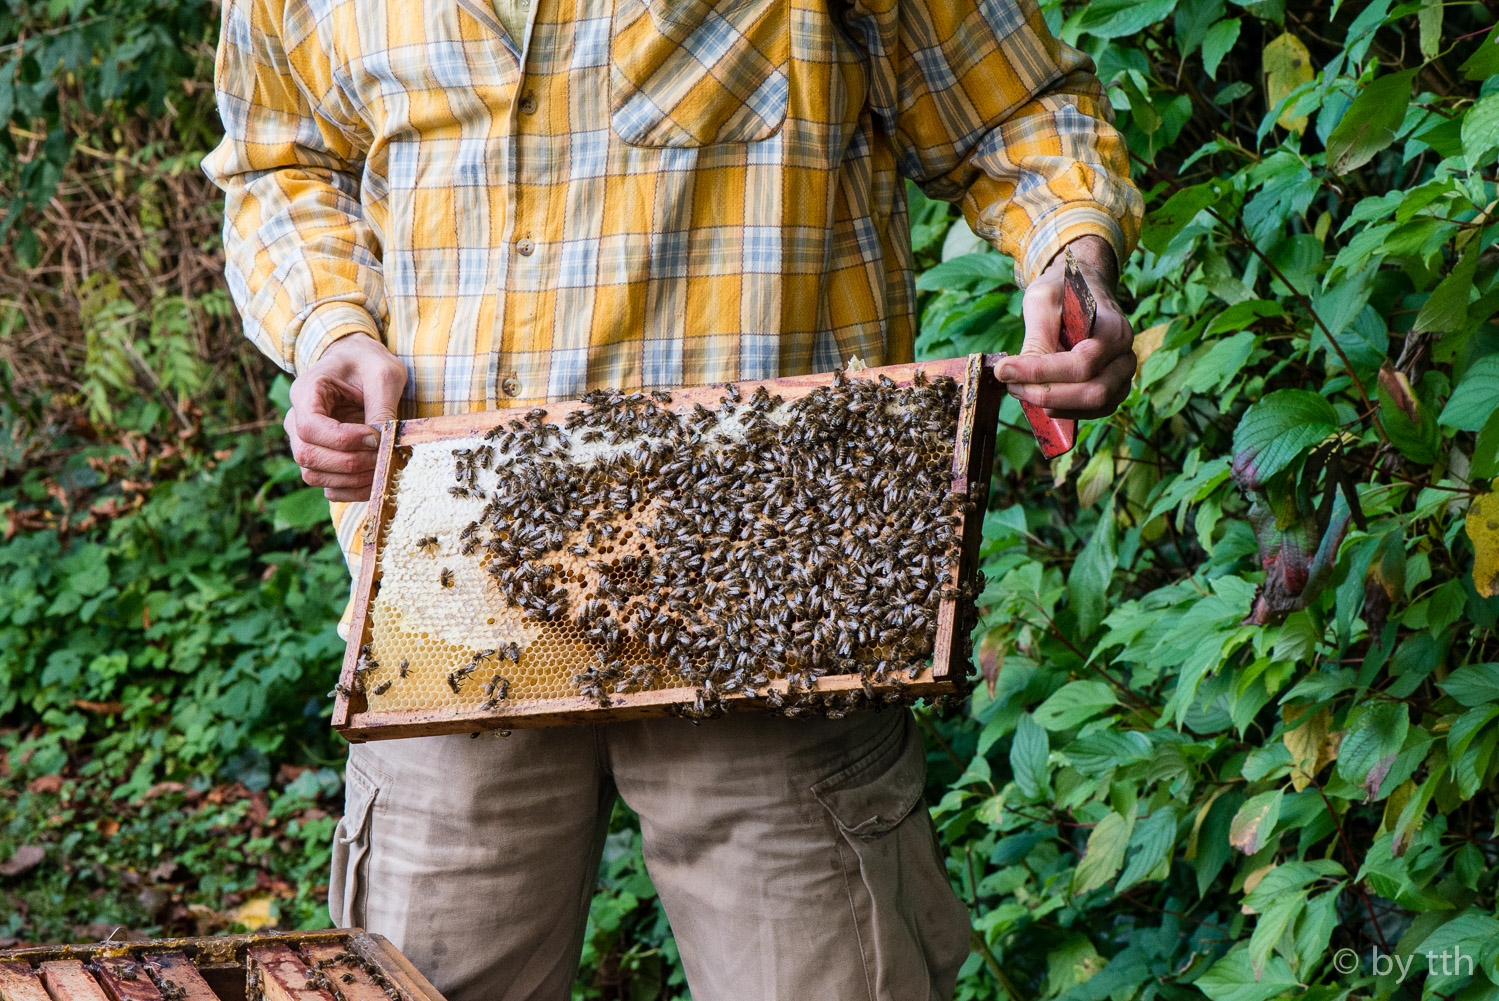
(339, 965)
(802, 545)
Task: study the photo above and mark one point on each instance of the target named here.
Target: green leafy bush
(1238, 672)
(1238, 701)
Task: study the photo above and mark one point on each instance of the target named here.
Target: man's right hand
(355, 384)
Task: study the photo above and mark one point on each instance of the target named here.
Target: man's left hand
(1092, 379)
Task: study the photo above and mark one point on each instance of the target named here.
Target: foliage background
(1237, 654)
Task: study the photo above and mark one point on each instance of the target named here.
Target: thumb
(382, 394)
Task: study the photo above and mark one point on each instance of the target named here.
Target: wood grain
(369, 577)
(350, 979)
(67, 980)
(19, 982)
(177, 969)
(123, 979)
(283, 975)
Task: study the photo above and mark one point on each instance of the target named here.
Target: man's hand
(1092, 379)
(356, 383)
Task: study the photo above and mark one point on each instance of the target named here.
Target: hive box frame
(221, 963)
(973, 454)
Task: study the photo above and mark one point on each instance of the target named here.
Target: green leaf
(1446, 309)
(1029, 750)
(1275, 431)
(1473, 684)
(1272, 924)
(1480, 130)
(1088, 580)
(1219, 40)
(1407, 423)
(968, 273)
(1255, 821)
(1369, 124)
(1074, 703)
(1429, 20)
(1152, 843)
(301, 509)
(1163, 224)
(1114, 18)
(1476, 397)
(1486, 449)
(1484, 62)
(1104, 854)
(1233, 978)
(1369, 749)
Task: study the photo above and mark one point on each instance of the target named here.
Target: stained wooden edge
(402, 974)
(576, 709)
(283, 975)
(424, 429)
(19, 982)
(176, 969)
(972, 461)
(124, 979)
(208, 949)
(67, 980)
(369, 569)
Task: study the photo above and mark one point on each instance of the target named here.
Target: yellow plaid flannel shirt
(635, 193)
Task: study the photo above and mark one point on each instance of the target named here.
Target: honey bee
(405, 667)
(383, 687)
(445, 578)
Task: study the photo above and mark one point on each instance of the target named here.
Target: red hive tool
(1055, 435)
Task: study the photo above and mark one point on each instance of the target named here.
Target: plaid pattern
(636, 193)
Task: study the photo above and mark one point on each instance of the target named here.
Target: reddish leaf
(45, 784)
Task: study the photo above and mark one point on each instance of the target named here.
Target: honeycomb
(631, 544)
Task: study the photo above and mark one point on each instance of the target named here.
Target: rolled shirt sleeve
(986, 108)
(301, 262)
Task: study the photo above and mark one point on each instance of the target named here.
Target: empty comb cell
(801, 545)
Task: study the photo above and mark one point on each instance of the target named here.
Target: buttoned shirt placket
(517, 251)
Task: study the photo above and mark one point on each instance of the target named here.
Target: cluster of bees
(318, 979)
(169, 989)
(724, 548)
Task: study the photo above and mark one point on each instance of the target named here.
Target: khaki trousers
(794, 858)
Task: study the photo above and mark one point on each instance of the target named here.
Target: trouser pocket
(351, 847)
(904, 905)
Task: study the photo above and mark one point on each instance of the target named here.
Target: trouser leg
(476, 857)
(795, 858)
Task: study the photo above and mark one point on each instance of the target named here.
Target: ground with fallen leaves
(78, 864)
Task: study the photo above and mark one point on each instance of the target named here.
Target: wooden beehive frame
(973, 454)
(218, 968)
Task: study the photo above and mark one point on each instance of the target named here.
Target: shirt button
(528, 105)
(511, 386)
(524, 246)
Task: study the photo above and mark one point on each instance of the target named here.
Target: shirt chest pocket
(698, 72)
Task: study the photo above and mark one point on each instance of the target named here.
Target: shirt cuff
(328, 323)
(1052, 232)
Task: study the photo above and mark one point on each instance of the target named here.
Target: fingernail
(371, 440)
(1007, 373)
